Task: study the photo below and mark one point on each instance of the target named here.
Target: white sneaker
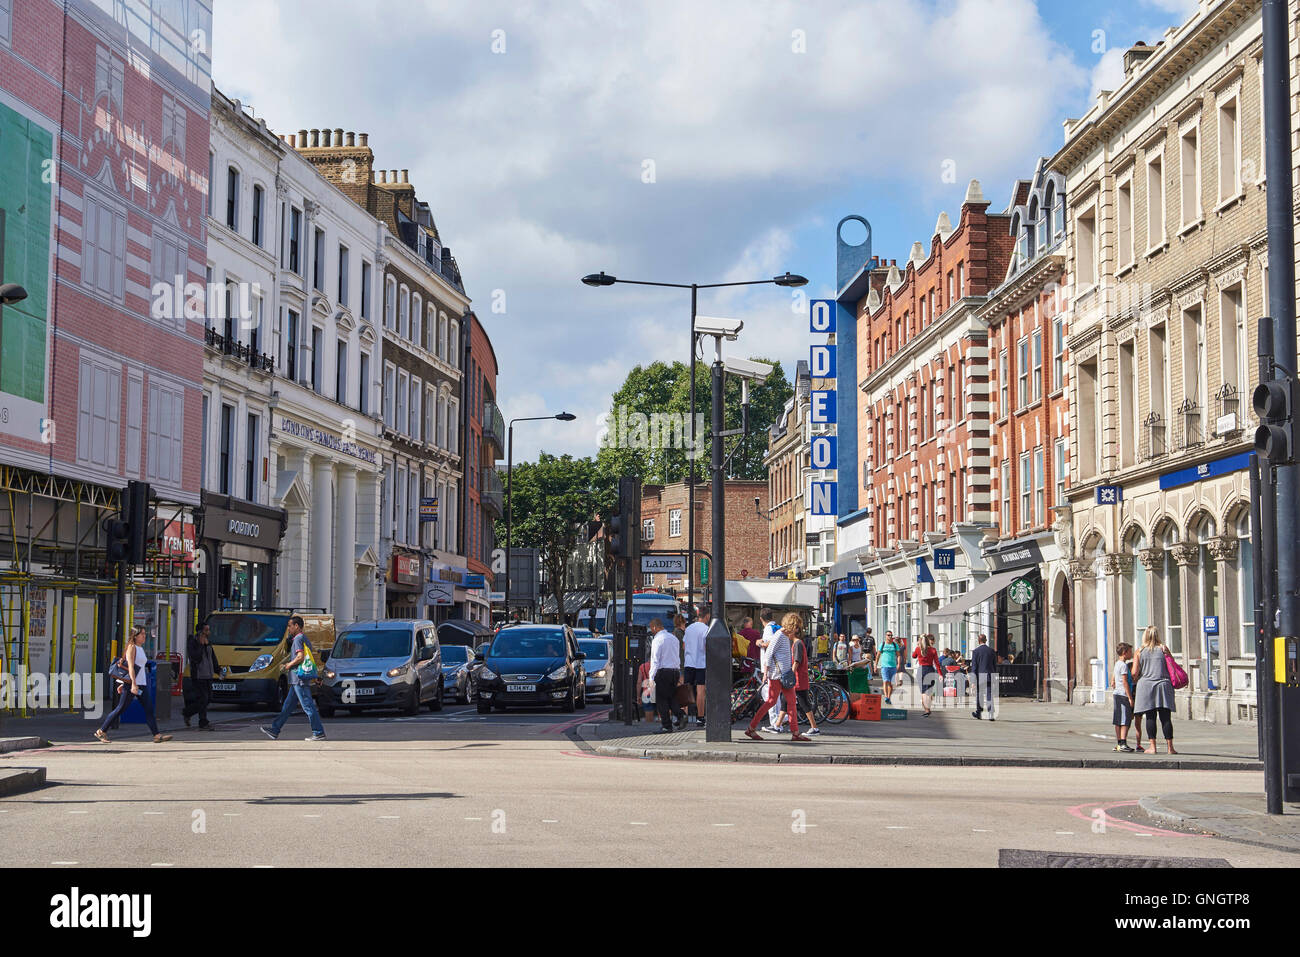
(813, 731)
(770, 730)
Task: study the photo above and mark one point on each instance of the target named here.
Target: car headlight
(262, 661)
(398, 672)
(486, 674)
(559, 673)
(329, 674)
(599, 674)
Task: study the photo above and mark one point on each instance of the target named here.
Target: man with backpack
(303, 667)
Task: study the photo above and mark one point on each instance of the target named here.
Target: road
(459, 789)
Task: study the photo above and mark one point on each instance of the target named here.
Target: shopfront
(405, 587)
(239, 542)
(851, 605)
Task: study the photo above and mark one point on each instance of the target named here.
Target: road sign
(663, 564)
(497, 597)
(1021, 591)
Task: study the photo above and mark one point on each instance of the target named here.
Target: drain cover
(1011, 857)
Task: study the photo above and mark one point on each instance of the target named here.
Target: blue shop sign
(474, 580)
(1233, 463)
(923, 575)
(1109, 494)
(1211, 624)
(855, 581)
(945, 558)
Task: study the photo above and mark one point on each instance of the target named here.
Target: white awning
(775, 593)
(981, 593)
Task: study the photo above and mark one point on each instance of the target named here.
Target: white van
(645, 606)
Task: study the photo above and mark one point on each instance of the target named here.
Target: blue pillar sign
(825, 452)
(821, 362)
(821, 317)
(823, 497)
(822, 407)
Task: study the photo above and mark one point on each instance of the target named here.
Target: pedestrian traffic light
(624, 539)
(137, 519)
(119, 534)
(1275, 438)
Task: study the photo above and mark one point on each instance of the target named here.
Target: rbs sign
(823, 496)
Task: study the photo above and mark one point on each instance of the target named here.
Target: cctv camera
(713, 326)
(748, 369)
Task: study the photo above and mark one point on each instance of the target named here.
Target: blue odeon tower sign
(822, 410)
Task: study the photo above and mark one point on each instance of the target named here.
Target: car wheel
(413, 707)
(582, 701)
(461, 697)
(484, 707)
(281, 693)
(436, 703)
(568, 705)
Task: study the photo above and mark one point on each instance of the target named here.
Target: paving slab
(1237, 816)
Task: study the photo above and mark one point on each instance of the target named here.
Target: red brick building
(484, 446)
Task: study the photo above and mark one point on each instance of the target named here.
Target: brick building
(663, 527)
(1028, 364)
(1168, 260)
(103, 140)
(485, 437)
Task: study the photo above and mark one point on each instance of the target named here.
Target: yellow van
(252, 645)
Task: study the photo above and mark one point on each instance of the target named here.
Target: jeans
(299, 694)
(124, 701)
(665, 689)
(201, 689)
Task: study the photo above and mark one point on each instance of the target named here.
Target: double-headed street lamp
(788, 280)
(510, 457)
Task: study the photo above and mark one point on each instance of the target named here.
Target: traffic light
(119, 534)
(127, 534)
(1275, 438)
(624, 526)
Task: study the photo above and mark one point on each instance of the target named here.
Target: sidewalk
(1236, 817)
(1025, 734)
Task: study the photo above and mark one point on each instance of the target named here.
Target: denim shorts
(888, 674)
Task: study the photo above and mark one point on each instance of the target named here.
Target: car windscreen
(595, 649)
(643, 614)
(385, 643)
(529, 644)
(454, 654)
(247, 629)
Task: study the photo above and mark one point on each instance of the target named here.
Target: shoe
(1123, 746)
(314, 737)
(751, 733)
(799, 737)
(160, 738)
(662, 730)
(700, 725)
(206, 727)
(887, 701)
(187, 719)
(975, 715)
(100, 735)
(814, 730)
(266, 730)
(770, 730)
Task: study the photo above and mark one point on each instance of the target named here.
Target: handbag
(681, 696)
(787, 679)
(308, 668)
(117, 671)
(1177, 676)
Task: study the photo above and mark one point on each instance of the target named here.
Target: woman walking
(780, 666)
(928, 658)
(1154, 696)
(135, 687)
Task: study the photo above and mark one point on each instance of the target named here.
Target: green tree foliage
(647, 431)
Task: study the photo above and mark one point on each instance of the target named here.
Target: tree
(648, 431)
(553, 500)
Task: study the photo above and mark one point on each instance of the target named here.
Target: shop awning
(981, 593)
(776, 593)
(846, 563)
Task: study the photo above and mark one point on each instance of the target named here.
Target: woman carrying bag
(1156, 673)
(132, 675)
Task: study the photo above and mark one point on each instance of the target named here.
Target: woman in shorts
(887, 662)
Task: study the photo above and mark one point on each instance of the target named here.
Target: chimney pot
(352, 139)
(383, 176)
(302, 138)
(325, 138)
(365, 139)
(406, 176)
(315, 137)
(338, 137)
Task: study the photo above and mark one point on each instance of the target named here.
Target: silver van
(394, 663)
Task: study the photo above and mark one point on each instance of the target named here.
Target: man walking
(299, 685)
(696, 632)
(983, 665)
(203, 668)
(665, 672)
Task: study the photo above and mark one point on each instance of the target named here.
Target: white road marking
(388, 817)
(981, 830)
(548, 821)
(161, 865)
(63, 863)
(897, 827)
(263, 866)
(638, 823)
(473, 819)
(1143, 834)
(311, 815)
(153, 812)
(1071, 833)
(229, 814)
(724, 825)
(78, 812)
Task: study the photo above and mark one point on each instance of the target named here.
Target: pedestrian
(1123, 697)
(841, 656)
(301, 655)
(647, 690)
(666, 673)
(1154, 696)
(823, 644)
(869, 645)
(928, 659)
(693, 674)
(887, 663)
(133, 685)
(751, 636)
(203, 668)
(983, 665)
(781, 678)
(799, 653)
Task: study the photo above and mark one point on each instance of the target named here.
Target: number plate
(521, 687)
(361, 691)
(223, 686)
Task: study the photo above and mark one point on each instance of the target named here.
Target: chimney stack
(406, 176)
(315, 137)
(338, 137)
(365, 139)
(352, 139)
(302, 138)
(383, 175)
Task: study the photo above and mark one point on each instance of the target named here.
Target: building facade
(104, 120)
(1168, 264)
(485, 437)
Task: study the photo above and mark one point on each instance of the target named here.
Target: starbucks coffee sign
(1021, 591)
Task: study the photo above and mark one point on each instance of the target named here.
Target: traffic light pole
(717, 643)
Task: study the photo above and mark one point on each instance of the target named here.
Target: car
(533, 665)
(252, 645)
(456, 661)
(598, 664)
(392, 663)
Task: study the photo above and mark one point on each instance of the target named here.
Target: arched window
(453, 344)
(1056, 208)
(1031, 227)
(1169, 594)
(390, 303)
(430, 328)
(441, 441)
(404, 313)
(1204, 532)
(1245, 583)
(1021, 235)
(1137, 613)
(442, 335)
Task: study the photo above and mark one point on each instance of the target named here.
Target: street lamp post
(510, 457)
(788, 280)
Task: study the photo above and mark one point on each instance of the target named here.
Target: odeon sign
(823, 496)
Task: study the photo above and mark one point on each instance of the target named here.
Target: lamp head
(598, 279)
(10, 293)
(565, 416)
(790, 280)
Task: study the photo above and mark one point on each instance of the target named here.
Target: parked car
(530, 665)
(252, 645)
(394, 663)
(456, 661)
(598, 664)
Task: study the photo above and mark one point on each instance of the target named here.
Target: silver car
(599, 664)
(395, 663)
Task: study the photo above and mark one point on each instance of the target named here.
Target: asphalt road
(459, 789)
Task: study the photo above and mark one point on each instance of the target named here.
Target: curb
(22, 744)
(913, 760)
(20, 780)
(1152, 808)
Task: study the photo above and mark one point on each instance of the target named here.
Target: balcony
(1155, 441)
(1192, 433)
(490, 492)
(494, 430)
(235, 349)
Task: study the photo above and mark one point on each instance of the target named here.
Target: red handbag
(1177, 676)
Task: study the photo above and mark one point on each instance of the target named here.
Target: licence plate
(361, 691)
(521, 687)
(223, 686)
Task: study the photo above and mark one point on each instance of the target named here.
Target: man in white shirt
(665, 672)
(696, 632)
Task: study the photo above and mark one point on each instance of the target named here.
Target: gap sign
(824, 496)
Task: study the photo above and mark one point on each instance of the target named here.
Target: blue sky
(677, 141)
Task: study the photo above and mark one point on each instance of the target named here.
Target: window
(250, 461)
(291, 348)
(1124, 202)
(363, 384)
(1040, 506)
(259, 197)
(103, 248)
(1229, 151)
(1058, 353)
(341, 373)
(416, 419)
(1156, 202)
(318, 261)
(648, 530)
(1085, 255)
(440, 439)
(1038, 363)
(951, 288)
(1194, 357)
(1128, 403)
(399, 507)
(365, 289)
(165, 433)
(1026, 487)
(1058, 465)
(453, 344)
(453, 426)
(1004, 384)
(343, 275)
(675, 523)
(1006, 496)
(135, 423)
(232, 297)
(1022, 367)
(1134, 596)
(232, 199)
(403, 397)
(390, 303)
(442, 336)
(226, 450)
(404, 312)
(1085, 423)
(417, 327)
(295, 241)
(1190, 173)
(1246, 586)
(317, 359)
(1158, 365)
(1172, 598)
(961, 279)
(169, 266)
(98, 414)
(1232, 344)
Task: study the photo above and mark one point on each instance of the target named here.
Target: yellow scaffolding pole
(56, 650)
(76, 604)
(94, 648)
(27, 653)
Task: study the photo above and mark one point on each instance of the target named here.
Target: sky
(675, 141)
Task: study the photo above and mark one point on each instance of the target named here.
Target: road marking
(473, 819)
(1143, 834)
(263, 866)
(311, 815)
(897, 827)
(638, 823)
(549, 821)
(229, 814)
(78, 812)
(62, 863)
(981, 830)
(1071, 833)
(388, 817)
(160, 865)
(724, 825)
(153, 812)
